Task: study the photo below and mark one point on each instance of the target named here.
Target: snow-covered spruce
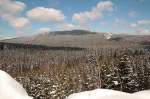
(109, 94)
(10, 88)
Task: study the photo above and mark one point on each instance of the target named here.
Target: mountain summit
(72, 32)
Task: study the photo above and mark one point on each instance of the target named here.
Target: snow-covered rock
(109, 94)
(10, 88)
(108, 35)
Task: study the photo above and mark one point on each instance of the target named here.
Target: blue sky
(28, 17)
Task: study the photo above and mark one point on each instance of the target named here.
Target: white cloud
(143, 22)
(70, 26)
(45, 15)
(49, 15)
(104, 5)
(44, 30)
(11, 7)
(141, 26)
(140, 23)
(143, 31)
(20, 23)
(67, 26)
(10, 12)
(133, 25)
(95, 13)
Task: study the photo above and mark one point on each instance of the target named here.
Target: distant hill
(81, 38)
(52, 37)
(73, 38)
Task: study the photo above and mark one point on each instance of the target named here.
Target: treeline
(5, 46)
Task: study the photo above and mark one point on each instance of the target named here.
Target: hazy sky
(27, 17)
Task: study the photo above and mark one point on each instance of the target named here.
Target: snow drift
(10, 88)
(109, 94)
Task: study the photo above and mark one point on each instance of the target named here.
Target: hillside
(81, 38)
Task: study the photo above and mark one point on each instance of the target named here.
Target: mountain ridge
(71, 32)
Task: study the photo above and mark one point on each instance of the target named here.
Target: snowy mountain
(10, 88)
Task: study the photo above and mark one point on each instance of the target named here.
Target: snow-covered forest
(57, 74)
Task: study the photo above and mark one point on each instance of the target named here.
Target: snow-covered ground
(10, 88)
(109, 94)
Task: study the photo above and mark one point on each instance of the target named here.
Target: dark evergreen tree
(127, 76)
